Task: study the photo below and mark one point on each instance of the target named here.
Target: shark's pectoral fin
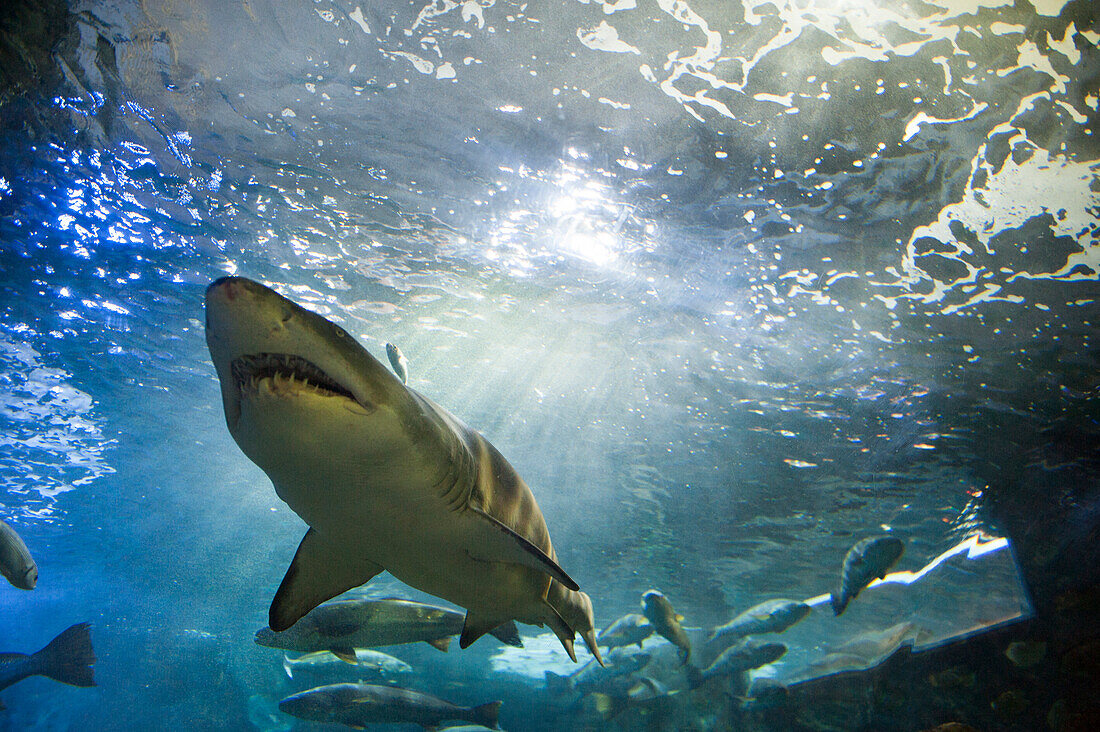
(497, 542)
(477, 626)
(319, 572)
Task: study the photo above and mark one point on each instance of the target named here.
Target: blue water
(732, 285)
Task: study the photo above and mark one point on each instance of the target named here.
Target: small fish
(764, 693)
(640, 691)
(627, 630)
(68, 658)
(399, 362)
(593, 676)
(1026, 654)
(348, 623)
(953, 677)
(874, 645)
(771, 616)
(358, 705)
(745, 655)
(870, 559)
(658, 610)
(15, 560)
(834, 663)
(366, 661)
(1010, 704)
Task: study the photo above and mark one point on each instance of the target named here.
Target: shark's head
(293, 380)
(256, 335)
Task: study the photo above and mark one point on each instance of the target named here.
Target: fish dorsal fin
(477, 626)
(347, 655)
(319, 572)
(500, 543)
(441, 643)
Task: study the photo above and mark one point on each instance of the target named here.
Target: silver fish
(593, 677)
(343, 625)
(367, 661)
(743, 656)
(358, 705)
(641, 692)
(870, 559)
(399, 362)
(658, 610)
(15, 559)
(770, 616)
(627, 630)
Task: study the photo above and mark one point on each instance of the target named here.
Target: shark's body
(385, 478)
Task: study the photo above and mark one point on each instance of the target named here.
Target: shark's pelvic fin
(318, 573)
(561, 629)
(501, 542)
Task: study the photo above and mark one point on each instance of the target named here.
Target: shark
(385, 478)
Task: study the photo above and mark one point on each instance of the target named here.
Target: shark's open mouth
(251, 369)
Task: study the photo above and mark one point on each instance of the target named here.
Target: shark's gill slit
(251, 368)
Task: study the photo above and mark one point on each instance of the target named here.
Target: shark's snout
(228, 288)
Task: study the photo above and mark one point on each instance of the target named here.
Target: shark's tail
(839, 601)
(69, 657)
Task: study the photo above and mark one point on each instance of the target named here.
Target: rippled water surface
(731, 284)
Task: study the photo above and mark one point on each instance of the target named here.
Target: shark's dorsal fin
(503, 544)
(318, 573)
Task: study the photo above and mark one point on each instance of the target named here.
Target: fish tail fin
(487, 715)
(286, 667)
(68, 658)
(839, 602)
(556, 683)
(694, 677)
(508, 634)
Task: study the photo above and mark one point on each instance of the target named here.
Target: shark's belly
(409, 530)
(446, 564)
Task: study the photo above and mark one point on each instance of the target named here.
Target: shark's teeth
(284, 370)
